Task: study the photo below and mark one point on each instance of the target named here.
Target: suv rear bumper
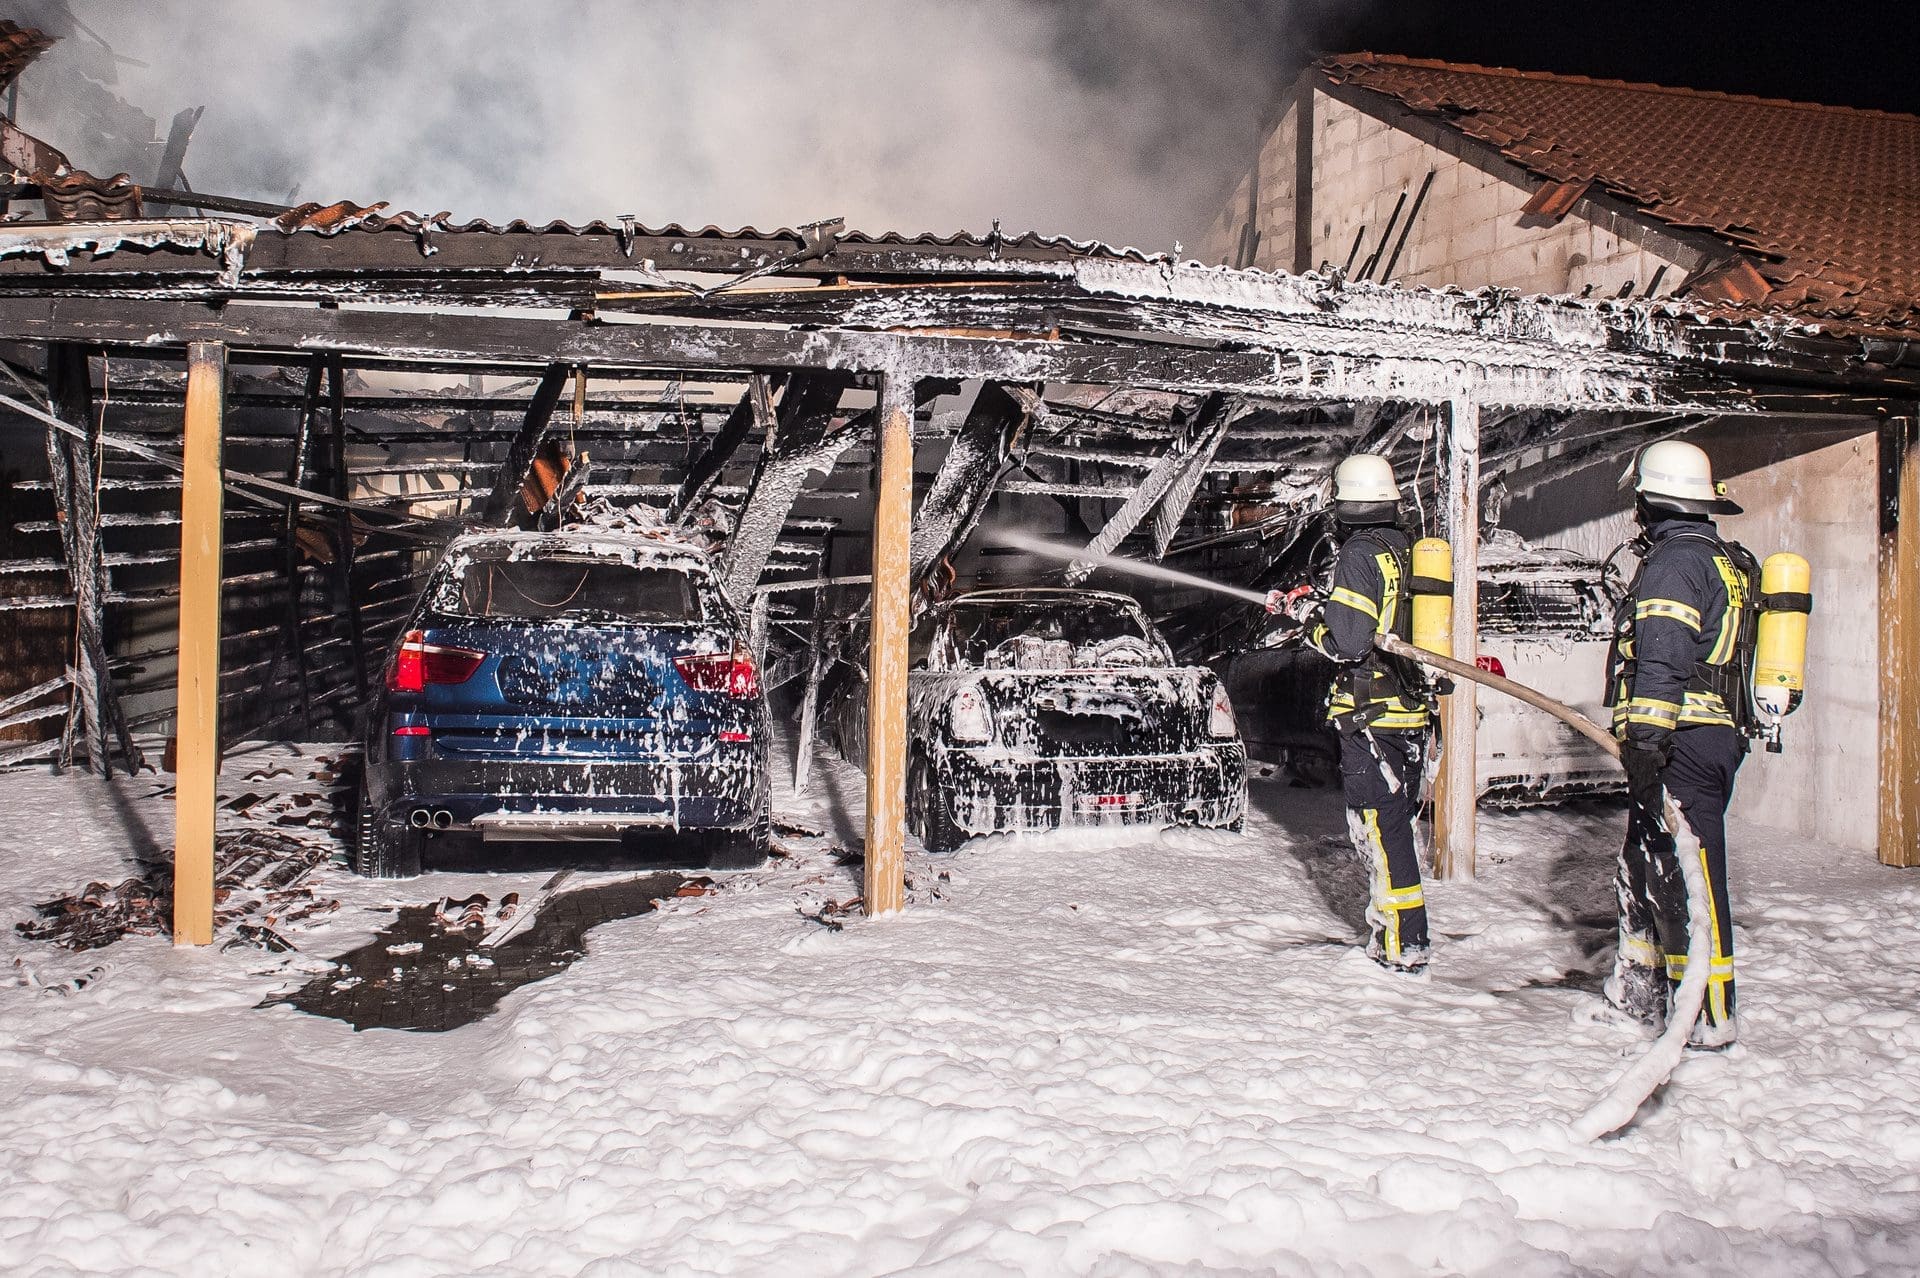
(518, 799)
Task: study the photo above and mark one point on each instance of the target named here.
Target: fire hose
(1616, 1106)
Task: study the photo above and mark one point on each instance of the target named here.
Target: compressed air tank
(1780, 651)
(1433, 595)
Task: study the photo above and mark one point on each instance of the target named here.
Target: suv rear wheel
(384, 849)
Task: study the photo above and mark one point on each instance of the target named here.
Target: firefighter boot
(1637, 988)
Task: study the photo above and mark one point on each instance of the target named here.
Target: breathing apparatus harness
(1379, 679)
(1750, 605)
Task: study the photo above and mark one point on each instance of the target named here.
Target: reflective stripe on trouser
(1380, 773)
(1653, 896)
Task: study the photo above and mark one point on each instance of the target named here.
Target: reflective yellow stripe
(1390, 917)
(1389, 591)
(1356, 601)
(1401, 719)
(1705, 708)
(1653, 712)
(1639, 951)
(1736, 583)
(1670, 608)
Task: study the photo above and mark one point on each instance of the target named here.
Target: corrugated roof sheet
(332, 219)
(1824, 200)
(19, 46)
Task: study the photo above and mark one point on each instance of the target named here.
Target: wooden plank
(887, 659)
(197, 716)
(1899, 832)
(1456, 794)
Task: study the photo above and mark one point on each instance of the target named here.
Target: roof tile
(1826, 199)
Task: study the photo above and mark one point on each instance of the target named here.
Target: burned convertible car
(578, 685)
(1034, 709)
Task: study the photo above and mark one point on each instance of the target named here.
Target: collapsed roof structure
(359, 382)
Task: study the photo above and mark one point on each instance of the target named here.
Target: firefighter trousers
(1653, 897)
(1380, 773)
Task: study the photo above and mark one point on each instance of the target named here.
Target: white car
(1546, 617)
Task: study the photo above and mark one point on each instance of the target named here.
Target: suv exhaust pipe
(419, 818)
(442, 819)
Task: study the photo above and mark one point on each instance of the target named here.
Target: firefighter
(1380, 705)
(1676, 683)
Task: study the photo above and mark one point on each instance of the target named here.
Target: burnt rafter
(969, 475)
(753, 412)
(1209, 426)
(807, 435)
(525, 444)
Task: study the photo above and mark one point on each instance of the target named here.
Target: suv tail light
(733, 673)
(1220, 720)
(420, 663)
(967, 719)
(1491, 665)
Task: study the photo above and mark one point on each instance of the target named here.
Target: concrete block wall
(1468, 231)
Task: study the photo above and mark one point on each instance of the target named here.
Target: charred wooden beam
(501, 502)
(1216, 411)
(74, 467)
(805, 438)
(967, 478)
(343, 523)
(754, 411)
(294, 626)
(449, 341)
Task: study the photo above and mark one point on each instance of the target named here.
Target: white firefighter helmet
(1676, 475)
(1365, 477)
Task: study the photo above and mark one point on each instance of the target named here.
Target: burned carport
(316, 400)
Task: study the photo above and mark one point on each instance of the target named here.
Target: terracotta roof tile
(19, 46)
(1824, 200)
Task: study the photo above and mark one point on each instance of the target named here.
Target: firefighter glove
(1644, 762)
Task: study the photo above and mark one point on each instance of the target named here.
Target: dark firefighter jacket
(1370, 596)
(1678, 632)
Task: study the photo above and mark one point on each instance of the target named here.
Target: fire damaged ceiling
(398, 376)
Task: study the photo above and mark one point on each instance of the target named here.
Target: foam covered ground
(1091, 1054)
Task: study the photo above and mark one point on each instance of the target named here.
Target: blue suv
(560, 686)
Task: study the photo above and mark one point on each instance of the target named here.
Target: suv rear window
(563, 588)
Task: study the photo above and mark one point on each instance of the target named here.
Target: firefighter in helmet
(1676, 683)
(1380, 705)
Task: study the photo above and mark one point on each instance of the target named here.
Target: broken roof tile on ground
(1824, 201)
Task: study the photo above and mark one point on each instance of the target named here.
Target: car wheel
(938, 831)
(384, 849)
(746, 851)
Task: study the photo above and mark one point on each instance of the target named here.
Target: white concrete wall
(1807, 488)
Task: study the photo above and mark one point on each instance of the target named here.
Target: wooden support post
(1457, 793)
(197, 719)
(887, 658)
(1899, 832)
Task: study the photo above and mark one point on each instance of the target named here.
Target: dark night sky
(1848, 54)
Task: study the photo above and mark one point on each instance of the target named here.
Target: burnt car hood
(1080, 712)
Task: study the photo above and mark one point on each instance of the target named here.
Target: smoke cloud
(1122, 121)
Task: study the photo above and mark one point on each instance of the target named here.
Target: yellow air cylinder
(1780, 655)
(1433, 607)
